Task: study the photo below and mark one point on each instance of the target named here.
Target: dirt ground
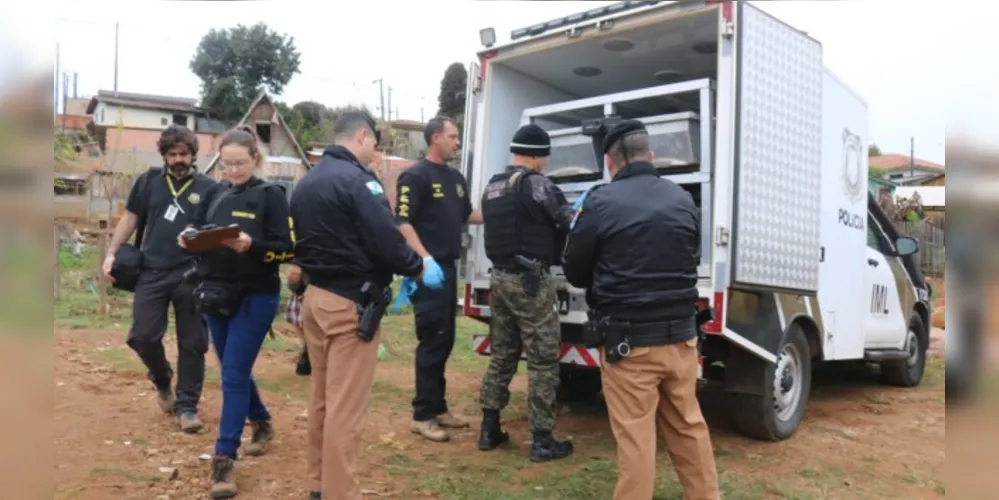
(860, 439)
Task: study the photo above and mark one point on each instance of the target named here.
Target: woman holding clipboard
(239, 292)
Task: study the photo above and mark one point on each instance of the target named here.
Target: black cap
(531, 140)
(619, 131)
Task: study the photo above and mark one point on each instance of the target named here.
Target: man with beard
(166, 199)
(433, 206)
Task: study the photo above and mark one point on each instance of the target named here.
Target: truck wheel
(776, 414)
(577, 383)
(909, 372)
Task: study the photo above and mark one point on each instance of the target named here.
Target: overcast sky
(891, 51)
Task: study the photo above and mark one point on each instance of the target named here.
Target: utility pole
(116, 59)
(912, 157)
(381, 92)
(55, 95)
(65, 94)
(421, 115)
(390, 104)
(75, 81)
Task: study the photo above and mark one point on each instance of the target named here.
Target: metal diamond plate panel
(779, 171)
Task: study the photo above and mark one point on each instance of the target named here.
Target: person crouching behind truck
(239, 294)
(526, 217)
(634, 248)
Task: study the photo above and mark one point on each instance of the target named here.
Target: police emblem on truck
(852, 178)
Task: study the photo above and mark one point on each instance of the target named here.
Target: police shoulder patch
(375, 187)
(194, 198)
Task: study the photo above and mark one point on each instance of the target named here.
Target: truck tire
(577, 383)
(776, 414)
(909, 372)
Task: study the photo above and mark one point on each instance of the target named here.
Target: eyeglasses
(237, 165)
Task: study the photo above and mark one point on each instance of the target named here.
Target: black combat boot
(546, 448)
(492, 434)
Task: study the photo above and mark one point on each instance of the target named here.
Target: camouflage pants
(520, 322)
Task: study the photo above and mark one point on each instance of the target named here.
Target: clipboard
(211, 239)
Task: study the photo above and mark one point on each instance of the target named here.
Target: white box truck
(798, 263)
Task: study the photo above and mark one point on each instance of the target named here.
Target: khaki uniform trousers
(343, 370)
(656, 387)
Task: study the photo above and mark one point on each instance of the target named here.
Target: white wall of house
(108, 115)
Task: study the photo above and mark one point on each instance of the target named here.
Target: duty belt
(661, 333)
(346, 287)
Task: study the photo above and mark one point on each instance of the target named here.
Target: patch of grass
(911, 477)
(877, 398)
(129, 476)
(124, 359)
(384, 393)
(821, 473)
(120, 358)
(508, 475)
(933, 375)
(401, 333)
(280, 343)
(835, 431)
(288, 385)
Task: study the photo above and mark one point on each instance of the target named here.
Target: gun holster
(617, 341)
(531, 275)
(375, 303)
(593, 331)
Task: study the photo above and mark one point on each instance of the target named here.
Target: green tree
(311, 121)
(235, 64)
(451, 101)
(873, 150)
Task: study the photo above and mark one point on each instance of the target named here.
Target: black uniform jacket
(346, 231)
(634, 247)
(261, 210)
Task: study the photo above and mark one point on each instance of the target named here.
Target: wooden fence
(931, 256)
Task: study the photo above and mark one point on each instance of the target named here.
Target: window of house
(896, 176)
(180, 119)
(264, 132)
(102, 116)
(163, 121)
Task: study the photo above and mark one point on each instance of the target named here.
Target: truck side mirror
(905, 245)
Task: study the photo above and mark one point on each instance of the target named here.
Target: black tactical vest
(244, 205)
(511, 228)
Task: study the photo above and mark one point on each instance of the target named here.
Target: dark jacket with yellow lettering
(261, 210)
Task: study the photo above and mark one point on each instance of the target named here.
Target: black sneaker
(263, 432)
(315, 495)
(546, 448)
(223, 485)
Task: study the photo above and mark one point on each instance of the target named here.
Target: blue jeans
(237, 342)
